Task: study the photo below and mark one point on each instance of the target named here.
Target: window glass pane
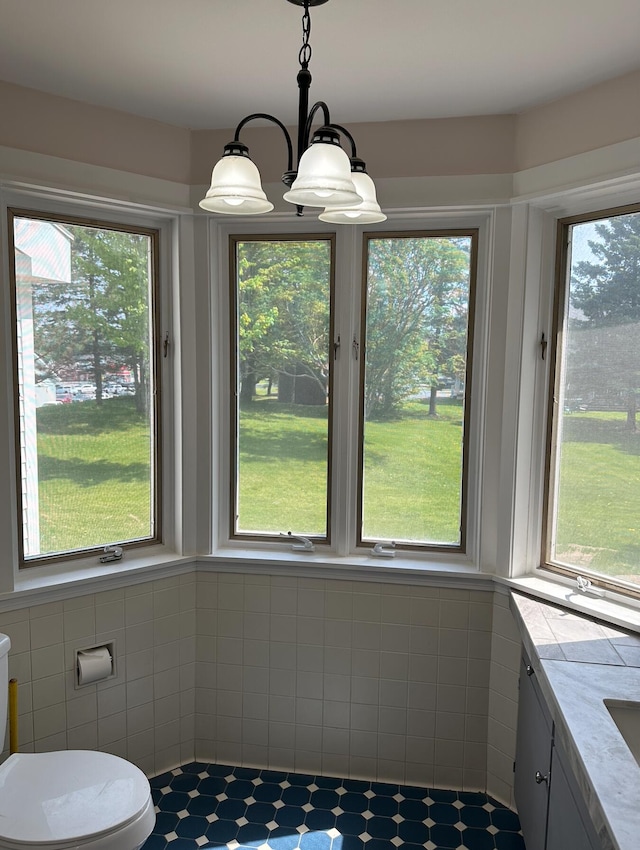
(283, 297)
(415, 381)
(595, 499)
(83, 311)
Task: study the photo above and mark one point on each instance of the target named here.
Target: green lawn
(412, 475)
(599, 494)
(282, 468)
(93, 466)
(94, 478)
(411, 480)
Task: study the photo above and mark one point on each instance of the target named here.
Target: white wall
(146, 713)
(396, 682)
(359, 679)
(506, 649)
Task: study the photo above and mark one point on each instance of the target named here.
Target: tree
(283, 312)
(100, 318)
(417, 315)
(605, 295)
(126, 307)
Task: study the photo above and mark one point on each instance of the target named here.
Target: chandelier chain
(304, 56)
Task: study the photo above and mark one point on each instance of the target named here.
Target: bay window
(401, 344)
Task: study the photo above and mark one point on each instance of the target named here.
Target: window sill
(402, 569)
(38, 585)
(609, 608)
(35, 585)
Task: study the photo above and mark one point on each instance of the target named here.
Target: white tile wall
(359, 679)
(506, 649)
(146, 713)
(363, 679)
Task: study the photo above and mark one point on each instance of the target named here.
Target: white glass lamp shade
(324, 177)
(367, 212)
(236, 188)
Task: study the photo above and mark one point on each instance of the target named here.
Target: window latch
(356, 348)
(336, 346)
(585, 586)
(302, 544)
(384, 550)
(543, 347)
(166, 344)
(111, 553)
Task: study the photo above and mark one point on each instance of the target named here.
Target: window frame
(234, 240)
(126, 223)
(560, 287)
(344, 555)
(367, 237)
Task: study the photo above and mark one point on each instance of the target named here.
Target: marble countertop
(579, 663)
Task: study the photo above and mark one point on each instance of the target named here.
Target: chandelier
(324, 175)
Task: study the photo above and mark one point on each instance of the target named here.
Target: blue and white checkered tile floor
(214, 805)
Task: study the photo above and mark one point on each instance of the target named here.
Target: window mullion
(347, 309)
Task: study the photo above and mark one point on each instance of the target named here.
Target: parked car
(63, 390)
(84, 393)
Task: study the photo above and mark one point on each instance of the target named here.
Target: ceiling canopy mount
(310, 3)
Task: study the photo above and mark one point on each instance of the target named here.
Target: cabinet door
(533, 761)
(569, 825)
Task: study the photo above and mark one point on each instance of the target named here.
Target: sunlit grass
(598, 524)
(94, 474)
(283, 469)
(94, 478)
(412, 472)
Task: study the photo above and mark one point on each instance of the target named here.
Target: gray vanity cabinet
(533, 760)
(568, 823)
(553, 816)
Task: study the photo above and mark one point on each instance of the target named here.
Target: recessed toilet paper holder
(94, 664)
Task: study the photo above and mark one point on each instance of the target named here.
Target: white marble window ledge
(611, 608)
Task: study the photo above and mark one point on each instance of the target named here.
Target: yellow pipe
(13, 716)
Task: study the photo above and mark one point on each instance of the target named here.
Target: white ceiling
(207, 63)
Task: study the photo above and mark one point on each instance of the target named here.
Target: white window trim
(177, 538)
(348, 266)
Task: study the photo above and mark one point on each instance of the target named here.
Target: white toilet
(70, 800)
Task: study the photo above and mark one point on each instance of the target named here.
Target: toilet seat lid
(49, 798)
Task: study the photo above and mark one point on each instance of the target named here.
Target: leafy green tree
(417, 315)
(101, 317)
(605, 295)
(283, 311)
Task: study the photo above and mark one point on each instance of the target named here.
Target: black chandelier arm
(307, 127)
(273, 120)
(347, 134)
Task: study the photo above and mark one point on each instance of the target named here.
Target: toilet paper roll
(93, 665)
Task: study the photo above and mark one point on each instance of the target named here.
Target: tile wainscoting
(390, 682)
(144, 714)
